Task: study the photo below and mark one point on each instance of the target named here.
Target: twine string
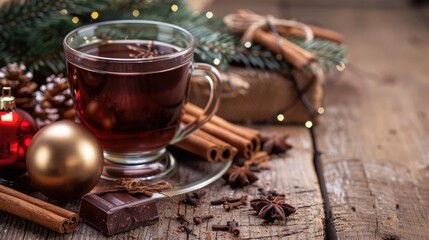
(247, 22)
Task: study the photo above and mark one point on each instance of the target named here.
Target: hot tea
(130, 111)
(129, 81)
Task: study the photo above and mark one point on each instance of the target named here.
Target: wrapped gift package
(252, 95)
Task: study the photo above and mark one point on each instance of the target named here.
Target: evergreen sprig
(32, 31)
(328, 54)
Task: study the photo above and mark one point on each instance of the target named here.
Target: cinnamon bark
(227, 152)
(297, 56)
(201, 147)
(38, 211)
(243, 145)
(318, 32)
(252, 134)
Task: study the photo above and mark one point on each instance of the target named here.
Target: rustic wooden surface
(292, 173)
(374, 160)
(374, 135)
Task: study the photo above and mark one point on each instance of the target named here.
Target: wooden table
(369, 178)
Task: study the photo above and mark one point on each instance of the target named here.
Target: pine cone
(54, 101)
(22, 85)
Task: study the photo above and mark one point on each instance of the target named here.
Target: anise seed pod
(238, 177)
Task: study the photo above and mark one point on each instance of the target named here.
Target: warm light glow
(341, 67)
(88, 152)
(8, 117)
(94, 15)
(216, 61)
(136, 13)
(209, 14)
(174, 7)
(321, 110)
(42, 156)
(308, 124)
(25, 125)
(27, 141)
(280, 117)
(75, 20)
(248, 44)
(21, 151)
(63, 11)
(59, 131)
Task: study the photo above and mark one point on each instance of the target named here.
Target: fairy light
(136, 13)
(280, 117)
(248, 44)
(64, 11)
(321, 110)
(340, 67)
(308, 124)
(95, 15)
(216, 61)
(75, 20)
(174, 7)
(209, 14)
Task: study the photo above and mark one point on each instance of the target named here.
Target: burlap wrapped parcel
(251, 95)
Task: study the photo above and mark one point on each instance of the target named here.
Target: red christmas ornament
(16, 131)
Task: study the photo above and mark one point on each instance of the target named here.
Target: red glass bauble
(17, 128)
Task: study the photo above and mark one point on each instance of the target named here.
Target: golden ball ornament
(64, 160)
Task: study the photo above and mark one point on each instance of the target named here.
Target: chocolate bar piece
(117, 212)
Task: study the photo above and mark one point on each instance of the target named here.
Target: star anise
(275, 144)
(270, 194)
(239, 176)
(272, 210)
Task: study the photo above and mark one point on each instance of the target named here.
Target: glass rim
(179, 53)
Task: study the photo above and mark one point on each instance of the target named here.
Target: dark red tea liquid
(130, 112)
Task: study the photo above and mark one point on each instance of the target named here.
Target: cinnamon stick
(318, 32)
(227, 152)
(201, 147)
(258, 158)
(253, 135)
(296, 55)
(243, 145)
(38, 211)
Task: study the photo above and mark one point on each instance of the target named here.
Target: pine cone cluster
(22, 85)
(54, 101)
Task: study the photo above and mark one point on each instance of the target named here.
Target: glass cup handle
(213, 77)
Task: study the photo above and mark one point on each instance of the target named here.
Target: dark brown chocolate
(117, 212)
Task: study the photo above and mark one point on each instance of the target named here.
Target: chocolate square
(117, 212)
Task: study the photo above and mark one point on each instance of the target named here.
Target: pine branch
(328, 55)
(32, 31)
(36, 26)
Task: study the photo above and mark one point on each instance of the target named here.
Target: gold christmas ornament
(64, 160)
